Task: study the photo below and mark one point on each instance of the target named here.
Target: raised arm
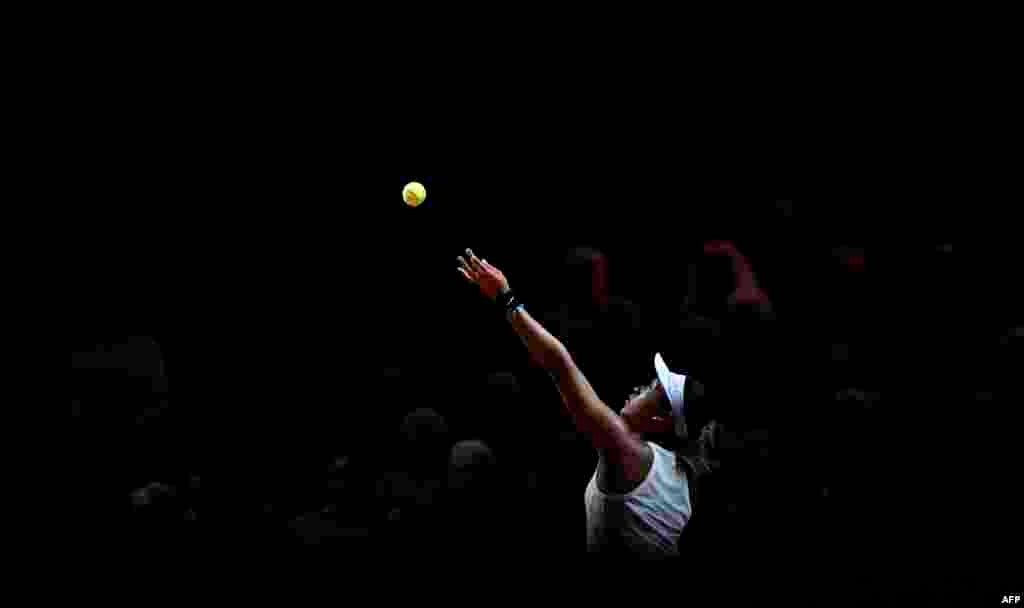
(592, 417)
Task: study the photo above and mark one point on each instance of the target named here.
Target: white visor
(673, 384)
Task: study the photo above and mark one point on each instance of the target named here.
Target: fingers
(473, 260)
(471, 267)
(467, 270)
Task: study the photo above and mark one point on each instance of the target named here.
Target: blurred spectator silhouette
(472, 476)
(746, 296)
(411, 490)
(724, 327)
(165, 514)
(607, 334)
(585, 279)
(122, 429)
(497, 414)
(489, 513)
(343, 517)
(476, 518)
(727, 331)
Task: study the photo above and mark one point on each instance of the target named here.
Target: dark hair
(695, 404)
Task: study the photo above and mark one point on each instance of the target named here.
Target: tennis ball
(414, 194)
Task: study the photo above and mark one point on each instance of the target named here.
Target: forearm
(545, 349)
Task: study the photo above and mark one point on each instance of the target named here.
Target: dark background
(301, 309)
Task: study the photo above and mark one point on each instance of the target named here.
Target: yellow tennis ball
(414, 194)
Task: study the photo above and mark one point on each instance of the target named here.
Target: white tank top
(646, 522)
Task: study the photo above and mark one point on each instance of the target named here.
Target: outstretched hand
(489, 279)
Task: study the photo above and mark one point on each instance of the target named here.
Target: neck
(635, 434)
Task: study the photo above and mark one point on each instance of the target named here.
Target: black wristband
(512, 303)
(504, 299)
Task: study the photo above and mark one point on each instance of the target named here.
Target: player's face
(647, 410)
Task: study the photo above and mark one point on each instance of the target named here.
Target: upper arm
(593, 418)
